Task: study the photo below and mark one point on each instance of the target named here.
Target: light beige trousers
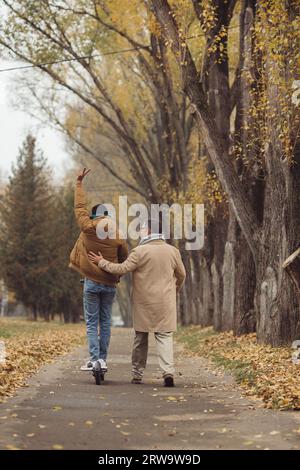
(164, 346)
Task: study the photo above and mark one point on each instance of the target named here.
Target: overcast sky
(14, 125)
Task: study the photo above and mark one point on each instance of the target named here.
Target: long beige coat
(158, 272)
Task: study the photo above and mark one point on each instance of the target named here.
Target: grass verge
(262, 371)
(28, 345)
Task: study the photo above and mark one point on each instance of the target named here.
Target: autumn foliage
(30, 345)
(262, 371)
(189, 101)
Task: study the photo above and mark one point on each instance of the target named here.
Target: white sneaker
(103, 365)
(87, 366)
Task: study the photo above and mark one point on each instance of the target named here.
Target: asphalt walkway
(62, 408)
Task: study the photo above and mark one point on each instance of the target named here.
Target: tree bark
(276, 300)
(278, 235)
(245, 280)
(213, 141)
(229, 276)
(292, 267)
(244, 320)
(219, 234)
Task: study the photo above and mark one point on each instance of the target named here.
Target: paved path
(62, 407)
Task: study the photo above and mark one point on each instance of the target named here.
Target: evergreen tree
(27, 238)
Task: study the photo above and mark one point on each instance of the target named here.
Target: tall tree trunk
(245, 282)
(276, 298)
(215, 144)
(188, 306)
(215, 75)
(229, 276)
(35, 313)
(244, 320)
(196, 269)
(219, 234)
(270, 244)
(207, 301)
(123, 299)
(207, 298)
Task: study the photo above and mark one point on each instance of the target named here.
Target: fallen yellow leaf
(57, 447)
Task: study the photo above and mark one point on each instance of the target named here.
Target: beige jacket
(158, 273)
(113, 249)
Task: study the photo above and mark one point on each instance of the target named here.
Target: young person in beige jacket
(158, 274)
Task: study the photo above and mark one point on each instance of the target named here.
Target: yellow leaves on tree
(205, 187)
(128, 16)
(277, 55)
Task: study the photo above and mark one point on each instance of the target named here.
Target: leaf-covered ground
(262, 371)
(30, 344)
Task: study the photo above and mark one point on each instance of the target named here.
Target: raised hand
(82, 174)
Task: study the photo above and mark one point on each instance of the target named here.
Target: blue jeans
(97, 303)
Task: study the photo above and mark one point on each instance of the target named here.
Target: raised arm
(80, 205)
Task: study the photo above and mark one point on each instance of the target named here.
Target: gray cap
(100, 210)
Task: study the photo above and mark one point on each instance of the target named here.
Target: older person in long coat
(158, 274)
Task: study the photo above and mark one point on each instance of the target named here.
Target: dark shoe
(169, 381)
(136, 381)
